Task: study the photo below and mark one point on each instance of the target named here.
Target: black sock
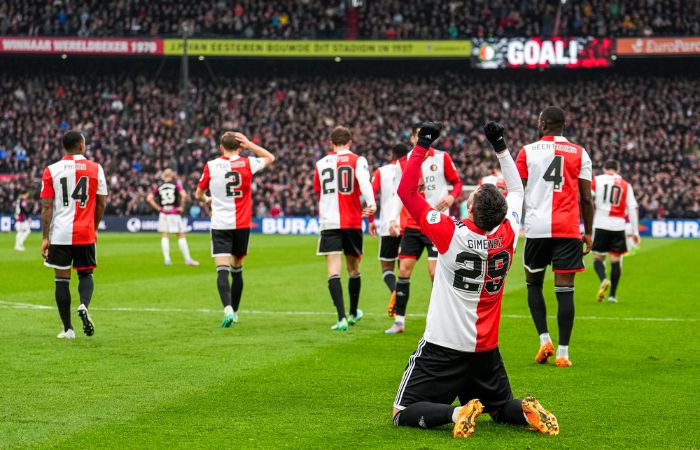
(511, 412)
(390, 280)
(336, 290)
(538, 309)
(63, 301)
(424, 415)
(615, 272)
(565, 313)
(354, 284)
(403, 288)
(236, 286)
(599, 267)
(223, 286)
(85, 287)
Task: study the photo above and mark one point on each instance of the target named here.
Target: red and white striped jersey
(614, 198)
(384, 182)
(497, 180)
(438, 173)
(552, 167)
(339, 180)
(73, 183)
(229, 179)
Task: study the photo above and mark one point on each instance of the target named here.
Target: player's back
(73, 183)
(337, 184)
(385, 182)
(552, 167)
(168, 195)
(229, 180)
(613, 195)
(465, 303)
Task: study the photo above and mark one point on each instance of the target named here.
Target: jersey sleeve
(101, 181)
(521, 163)
(439, 228)
(256, 164)
(631, 200)
(376, 181)
(362, 175)
(452, 176)
(47, 185)
(179, 187)
(586, 172)
(516, 191)
(204, 180)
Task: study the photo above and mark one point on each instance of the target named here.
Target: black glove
(494, 133)
(428, 133)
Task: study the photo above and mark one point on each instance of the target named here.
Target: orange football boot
(391, 308)
(545, 352)
(466, 419)
(563, 362)
(541, 419)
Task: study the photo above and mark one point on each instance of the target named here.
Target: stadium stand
(134, 129)
(338, 19)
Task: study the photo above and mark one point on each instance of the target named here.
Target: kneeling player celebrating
(458, 356)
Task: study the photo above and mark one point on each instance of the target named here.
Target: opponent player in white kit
(458, 357)
(73, 198)
(22, 221)
(229, 179)
(340, 178)
(169, 199)
(614, 200)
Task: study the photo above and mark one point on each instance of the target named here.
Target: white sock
(18, 240)
(228, 310)
(24, 236)
(400, 319)
(544, 338)
(165, 246)
(455, 414)
(563, 350)
(182, 242)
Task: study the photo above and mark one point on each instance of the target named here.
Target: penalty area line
(17, 305)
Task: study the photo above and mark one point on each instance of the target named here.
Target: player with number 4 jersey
(557, 176)
(73, 198)
(341, 180)
(228, 179)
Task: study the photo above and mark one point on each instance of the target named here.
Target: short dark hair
(229, 141)
(71, 140)
(399, 151)
(554, 116)
(340, 136)
(612, 164)
(489, 208)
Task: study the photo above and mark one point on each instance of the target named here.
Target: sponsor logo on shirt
(433, 217)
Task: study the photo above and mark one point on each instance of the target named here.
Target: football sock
(599, 268)
(236, 286)
(563, 350)
(400, 319)
(354, 284)
(538, 309)
(544, 338)
(403, 287)
(511, 412)
(223, 286)
(85, 286)
(184, 249)
(336, 290)
(165, 247)
(424, 415)
(615, 272)
(390, 280)
(63, 301)
(565, 313)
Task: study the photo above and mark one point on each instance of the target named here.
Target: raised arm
(267, 157)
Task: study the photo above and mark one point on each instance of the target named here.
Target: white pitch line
(16, 305)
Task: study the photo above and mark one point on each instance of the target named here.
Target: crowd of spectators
(351, 19)
(134, 128)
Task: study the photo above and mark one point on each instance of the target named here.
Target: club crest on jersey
(433, 217)
(433, 167)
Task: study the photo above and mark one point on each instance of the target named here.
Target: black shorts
(389, 247)
(230, 242)
(343, 240)
(564, 254)
(81, 257)
(412, 244)
(607, 241)
(440, 375)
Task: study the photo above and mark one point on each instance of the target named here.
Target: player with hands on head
(458, 356)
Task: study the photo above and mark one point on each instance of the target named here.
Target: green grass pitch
(159, 371)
